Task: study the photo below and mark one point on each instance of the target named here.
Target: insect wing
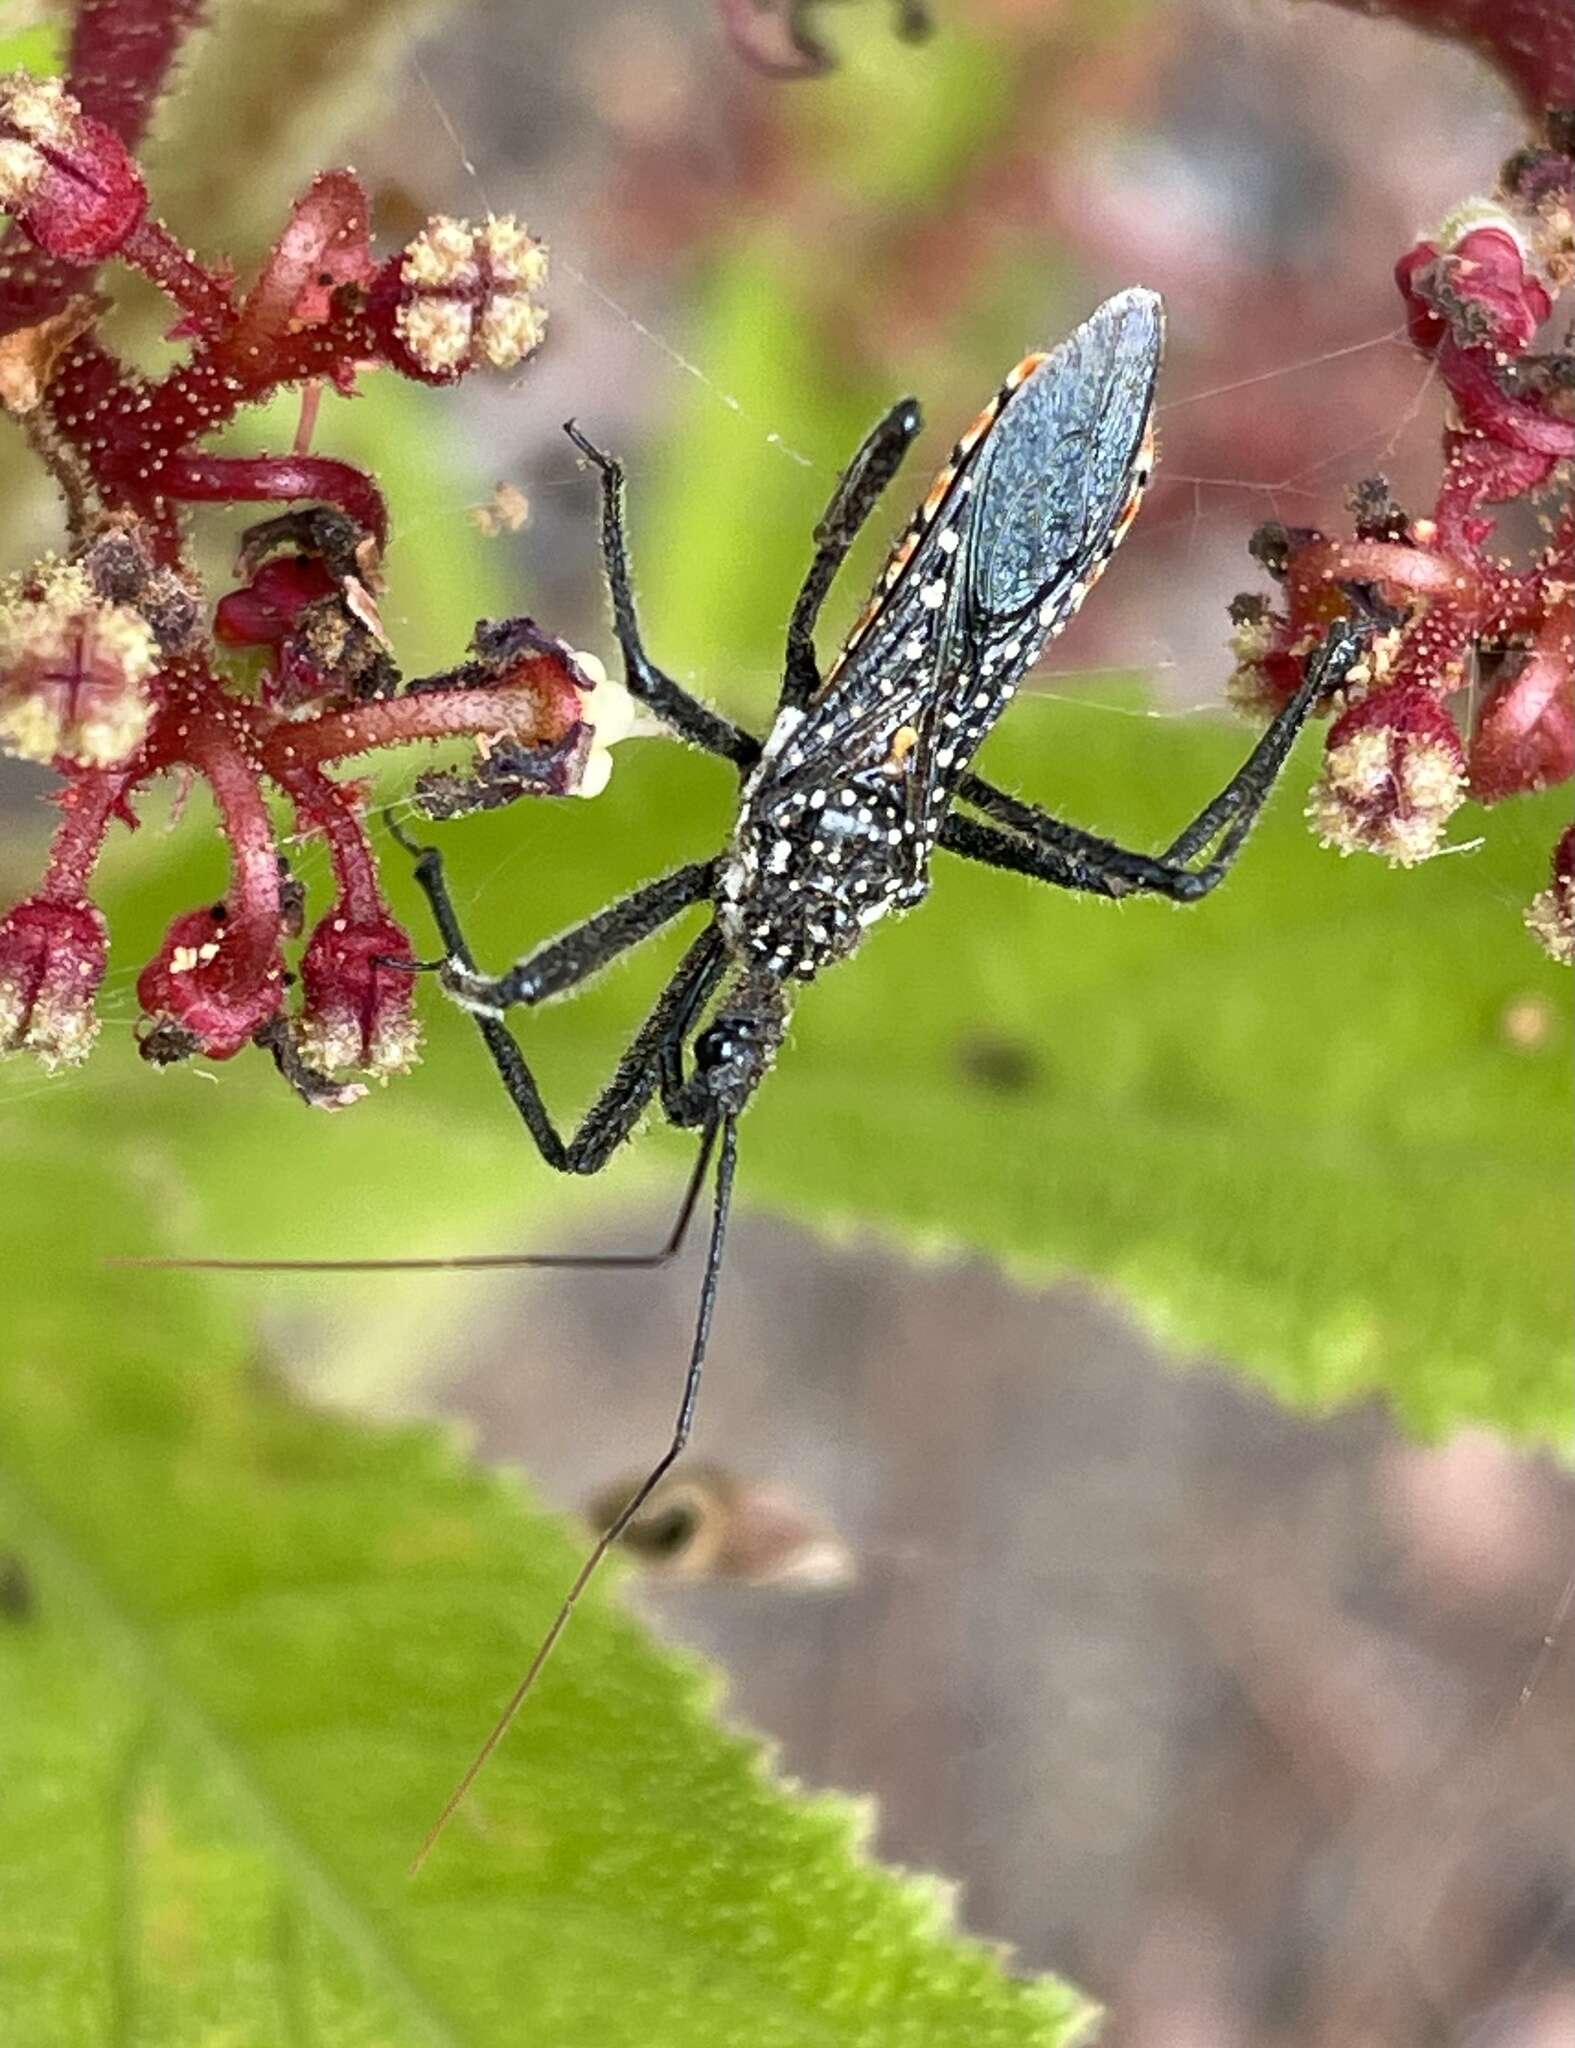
(1059, 480)
(1062, 472)
(1013, 533)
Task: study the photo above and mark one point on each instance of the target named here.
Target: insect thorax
(812, 866)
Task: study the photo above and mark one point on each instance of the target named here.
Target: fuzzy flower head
(52, 958)
(1393, 775)
(1550, 915)
(359, 1009)
(459, 295)
(75, 671)
(69, 180)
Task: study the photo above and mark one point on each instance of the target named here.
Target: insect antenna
(470, 1262)
(726, 1162)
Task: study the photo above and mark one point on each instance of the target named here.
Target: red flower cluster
(115, 668)
(1399, 759)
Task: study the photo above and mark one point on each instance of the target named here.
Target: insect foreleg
(858, 492)
(688, 717)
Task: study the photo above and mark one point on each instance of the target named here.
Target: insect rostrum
(863, 776)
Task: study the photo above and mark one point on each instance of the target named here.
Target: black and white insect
(863, 777)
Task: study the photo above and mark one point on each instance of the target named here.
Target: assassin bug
(858, 783)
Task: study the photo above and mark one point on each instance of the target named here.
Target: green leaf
(243, 1650)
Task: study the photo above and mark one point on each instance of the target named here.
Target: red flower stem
(514, 712)
(321, 805)
(87, 803)
(121, 52)
(254, 897)
(152, 249)
(236, 479)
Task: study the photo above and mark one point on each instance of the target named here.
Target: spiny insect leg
(1053, 851)
(858, 492)
(1236, 807)
(688, 717)
(573, 957)
(563, 963)
(726, 1163)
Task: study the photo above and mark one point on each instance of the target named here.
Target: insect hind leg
(1050, 850)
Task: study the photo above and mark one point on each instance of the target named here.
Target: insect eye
(715, 1047)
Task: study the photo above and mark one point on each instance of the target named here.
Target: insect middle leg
(858, 492)
(1046, 848)
(651, 1060)
(672, 703)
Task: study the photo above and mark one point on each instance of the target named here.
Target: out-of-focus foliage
(242, 1647)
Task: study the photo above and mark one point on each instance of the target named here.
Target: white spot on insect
(933, 595)
(983, 701)
(778, 858)
(950, 720)
(1011, 650)
(913, 648)
(817, 798)
(788, 721)
(949, 541)
(734, 879)
(945, 756)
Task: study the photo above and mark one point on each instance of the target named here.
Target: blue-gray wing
(1009, 539)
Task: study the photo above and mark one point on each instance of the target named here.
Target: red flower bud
(52, 959)
(459, 295)
(265, 611)
(209, 989)
(1550, 915)
(1393, 774)
(358, 1012)
(1473, 283)
(1525, 736)
(70, 181)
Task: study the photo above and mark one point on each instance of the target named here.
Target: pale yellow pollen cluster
(511, 328)
(1247, 687)
(514, 252)
(450, 265)
(1388, 793)
(32, 110)
(57, 1026)
(72, 672)
(436, 332)
(1550, 918)
(442, 256)
(332, 1041)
